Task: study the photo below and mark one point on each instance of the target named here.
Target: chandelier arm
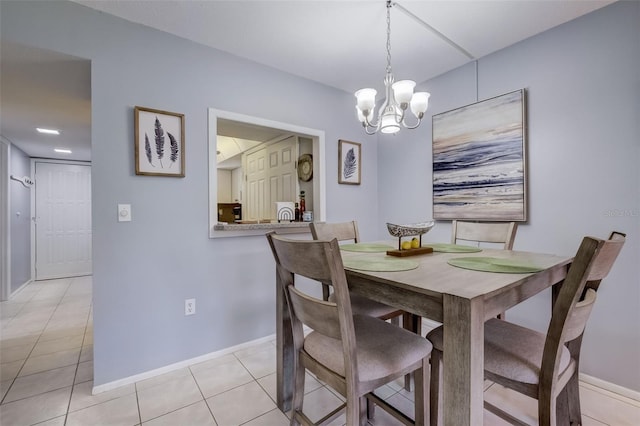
(411, 127)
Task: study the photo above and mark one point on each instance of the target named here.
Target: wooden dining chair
(353, 354)
(348, 231)
(484, 232)
(544, 367)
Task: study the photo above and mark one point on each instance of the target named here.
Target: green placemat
(383, 264)
(366, 247)
(453, 248)
(494, 264)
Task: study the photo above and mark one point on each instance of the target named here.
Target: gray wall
(583, 85)
(20, 214)
(145, 269)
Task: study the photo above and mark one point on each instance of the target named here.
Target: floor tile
(240, 405)
(319, 403)
(163, 378)
(167, 397)
(272, 418)
(87, 353)
(197, 414)
(84, 372)
(57, 345)
(260, 363)
(83, 398)
(10, 370)
(35, 384)
(56, 421)
(122, 411)
(22, 339)
(608, 410)
(60, 334)
(221, 378)
(516, 404)
(15, 353)
(36, 409)
(37, 364)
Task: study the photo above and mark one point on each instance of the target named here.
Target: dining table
(458, 286)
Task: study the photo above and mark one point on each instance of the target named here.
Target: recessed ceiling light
(62, 150)
(48, 131)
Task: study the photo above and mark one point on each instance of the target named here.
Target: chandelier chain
(389, 36)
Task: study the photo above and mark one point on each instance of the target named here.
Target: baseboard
(610, 387)
(20, 288)
(178, 365)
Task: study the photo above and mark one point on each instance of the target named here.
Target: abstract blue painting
(479, 160)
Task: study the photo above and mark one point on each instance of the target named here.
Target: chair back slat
(305, 258)
(317, 314)
(484, 232)
(344, 231)
(608, 253)
(577, 320)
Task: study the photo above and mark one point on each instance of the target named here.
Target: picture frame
(479, 160)
(349, 162)
(159, 142)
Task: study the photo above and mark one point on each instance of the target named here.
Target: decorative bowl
(409, 229)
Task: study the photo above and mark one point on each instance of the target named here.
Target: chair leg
(435, 401)
(371, 409)
(362, 412)
(562, 408)
(412, 323)
(422, 390)
(353, 409)
(298, 391)
(572, 390)
(547, 411)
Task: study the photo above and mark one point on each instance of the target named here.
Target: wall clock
(305, 167)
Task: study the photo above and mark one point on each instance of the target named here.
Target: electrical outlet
(189, 306)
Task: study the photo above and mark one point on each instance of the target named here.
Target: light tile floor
(47, 371)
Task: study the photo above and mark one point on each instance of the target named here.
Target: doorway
(62, 220)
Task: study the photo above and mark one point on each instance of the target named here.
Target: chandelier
(399, 97)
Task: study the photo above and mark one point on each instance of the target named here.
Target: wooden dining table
(461, 299)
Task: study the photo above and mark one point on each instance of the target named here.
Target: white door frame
(5, 228)
(33, 204)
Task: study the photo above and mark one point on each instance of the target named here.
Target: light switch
(124, 212)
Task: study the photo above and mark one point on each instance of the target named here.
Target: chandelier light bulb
(403, 91)
(420, 103)
(366, 99)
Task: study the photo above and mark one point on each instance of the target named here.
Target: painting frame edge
(523, 217)
(137, 137)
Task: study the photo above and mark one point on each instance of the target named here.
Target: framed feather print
(159, 138)
(348, 162)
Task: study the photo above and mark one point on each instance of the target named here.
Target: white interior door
(271, 177)
(63, 220)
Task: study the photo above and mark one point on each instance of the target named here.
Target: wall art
(159, 148)
(349, 168)
(479, 164)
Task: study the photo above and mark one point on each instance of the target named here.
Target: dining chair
(353, 354)
(484, 232)
(542, 366)
(348, 231)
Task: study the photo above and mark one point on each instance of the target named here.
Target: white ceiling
(342, 43)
